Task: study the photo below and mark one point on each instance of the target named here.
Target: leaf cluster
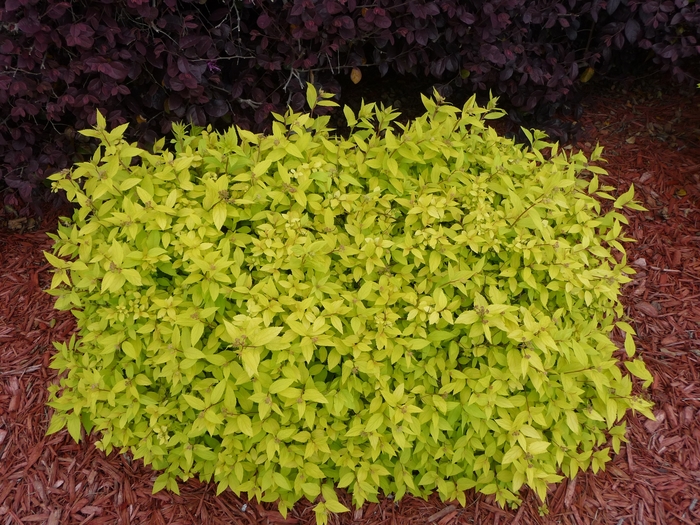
(413, 308)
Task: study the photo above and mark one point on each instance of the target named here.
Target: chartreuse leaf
(411, 308)
(73, 424)
(624, 198)
(101, 122)
(311, 95)
(639, 370)
(58, 422)
(349, 116)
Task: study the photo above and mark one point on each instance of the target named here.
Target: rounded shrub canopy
(413, 308)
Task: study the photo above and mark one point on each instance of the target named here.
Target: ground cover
(651, 136)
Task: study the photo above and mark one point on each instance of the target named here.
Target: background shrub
(411, 309)
(222, 62)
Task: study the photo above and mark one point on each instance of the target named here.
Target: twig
(292, 73)
(232, 57)
(441, 513)
(686, 272)
(246, 102)
(23, 371)
(662, 269)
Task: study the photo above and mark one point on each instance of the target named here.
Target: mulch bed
(651, 140)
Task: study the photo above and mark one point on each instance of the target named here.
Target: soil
(651, 134)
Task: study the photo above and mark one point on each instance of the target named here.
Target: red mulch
(649, 140)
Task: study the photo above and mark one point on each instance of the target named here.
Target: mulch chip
(650, 141)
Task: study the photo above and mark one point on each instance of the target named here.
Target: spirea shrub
(414, 308)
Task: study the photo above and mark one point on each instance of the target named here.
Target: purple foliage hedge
(151, 62)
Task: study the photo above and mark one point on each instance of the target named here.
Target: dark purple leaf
(422, 36)
(382, 21)
(531, 103)
(189, 41)
(115, 70)
(148, 13)
(12, 5)
(667, 6)
(7, 47)
(333, 7)
(612, 6)
(32, 110)
(174, 102)
(10, 200)
(25, 191)
(29, 25)
(364, 26)
(204, 44)
(619, 40)
(632, 30)
(56, 11)
(183, 65)
(650, 6)
(418, 10)
(432, 9)
(573, 71)
(258, 95)
(346, 22)
(452, 63)
(492, 54)
(188, 80)
(264, 21)
(669, 52)
(297, 9)
(80, 35)
(467, 18)
(198, 69)
(196, 116)
(120, 90)
(216, 108)
(176, 84)
(437, 68)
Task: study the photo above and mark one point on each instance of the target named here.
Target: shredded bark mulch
(651, 138)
